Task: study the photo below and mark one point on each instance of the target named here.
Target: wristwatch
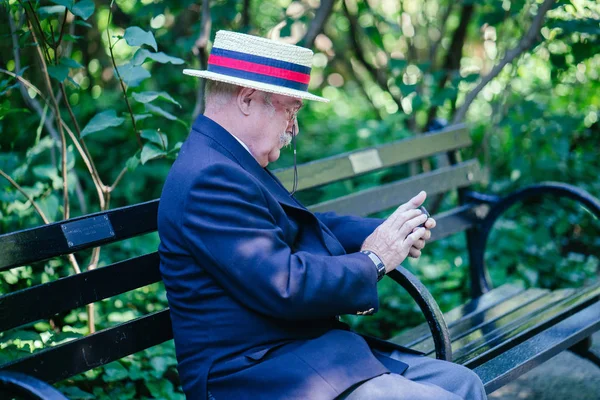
(378, 263)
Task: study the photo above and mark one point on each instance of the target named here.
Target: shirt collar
(242, 143)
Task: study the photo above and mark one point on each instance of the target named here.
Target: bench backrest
(46, 300)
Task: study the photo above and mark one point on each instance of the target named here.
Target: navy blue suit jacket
(255, 281)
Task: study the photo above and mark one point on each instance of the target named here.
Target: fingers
(419, 244)
(430, 224)
(414, 237)
(396, 220)
(414, 253)
(413, 203)
(410, 225)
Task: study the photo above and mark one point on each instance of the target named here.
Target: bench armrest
(15, 383)
(429, 308)
(498, 207)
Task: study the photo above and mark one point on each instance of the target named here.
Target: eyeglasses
(291, 113)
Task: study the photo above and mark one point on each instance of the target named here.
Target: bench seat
(499, 333)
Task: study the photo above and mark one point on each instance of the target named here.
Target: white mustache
(285, 139)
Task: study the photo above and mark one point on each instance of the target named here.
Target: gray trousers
(425, 379)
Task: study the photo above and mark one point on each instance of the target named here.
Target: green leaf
(101, 121)
(67, 3)
(132, 163)
(67, 37)
(153, 136)
(136, 36)
(62, 337)
(49, 205)
(147, 97)
(133, 75)
(69, 62)
(159, 365)
(150, 151)
(58, 72)
(114, 372)
(45, 12)
(139, 117)
(83, 9)
(159, 111)
(471, 78)
(142, 55)
(174, 152)
(21, 335)
(83, 23)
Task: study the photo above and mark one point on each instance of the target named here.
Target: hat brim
(254, 85)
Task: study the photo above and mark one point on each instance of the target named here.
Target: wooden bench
(501, 333)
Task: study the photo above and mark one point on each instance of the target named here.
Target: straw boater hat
(259, 63)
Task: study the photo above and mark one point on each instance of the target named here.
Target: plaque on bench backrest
(88, 230)
(364, 161)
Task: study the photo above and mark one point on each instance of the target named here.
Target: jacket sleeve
(230, 231)
(349, 230)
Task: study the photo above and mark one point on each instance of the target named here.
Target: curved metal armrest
(27, 386)
(429, 308)
(545, 188)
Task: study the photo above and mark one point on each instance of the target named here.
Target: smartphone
(426, 213)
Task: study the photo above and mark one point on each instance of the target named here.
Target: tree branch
(63, 140)
(321, 16)
(88, 163)
(199, 51)
(123, 88)
(83, 150)
(436, 44)
(344, 65)
(454, 54)
(28, 197)
(525, 44)
(379, 76)
(119, 177)
(245, 15)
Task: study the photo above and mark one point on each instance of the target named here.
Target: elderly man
(254, 280)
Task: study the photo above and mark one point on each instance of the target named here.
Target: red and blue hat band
(259, 69)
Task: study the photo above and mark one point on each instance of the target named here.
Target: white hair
(217, 94)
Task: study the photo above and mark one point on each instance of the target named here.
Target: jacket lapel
(237, 153)
(234, 150)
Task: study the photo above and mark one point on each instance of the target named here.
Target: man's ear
(245, 98)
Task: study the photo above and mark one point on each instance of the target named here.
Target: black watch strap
(378, 263)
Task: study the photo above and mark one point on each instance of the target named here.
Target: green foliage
(536, 120)
(136, 36)
(102, 121)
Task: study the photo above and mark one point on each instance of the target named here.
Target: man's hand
(400, 235)
(415, 250)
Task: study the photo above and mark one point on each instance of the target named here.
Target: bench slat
(534, 351)
(351, 164)
(490, 328)
(77, 356)
(457, 220)
(44, 301)
(383, 197)
(549, 316)
(472, 326)
(488, 331)
(486, 301)
(47, 241)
